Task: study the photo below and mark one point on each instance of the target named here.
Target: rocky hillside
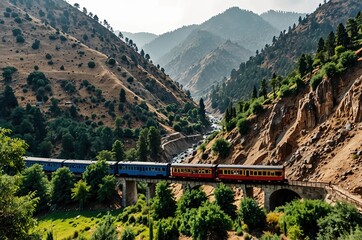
(76, 71)
(280, 57)
(316, 135)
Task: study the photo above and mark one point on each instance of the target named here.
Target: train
(217, 172)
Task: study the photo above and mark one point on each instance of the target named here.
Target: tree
(263, 91)
(107, 189)
(202, 111)
(142, 145)
(341, 219)
(352, 28)
(164, 204)
(192, 198)
(118, 150)
(122, 96)
(330, 44)
(94, 175)
(224, 197)
(8, 101)
(222, 147)
(255, 93)
(11, 153)
(302, 65)
(251, 214)
(274, 83)
(128, 234)
(167, 230)
(190, 201)
(67, 146)
(16, 220)
(303, 217)
(210, 223)
(154, 140)
(81, 193)
(8, 73)
(61, 185)
(321, 45)
(105, 230)
(35, 180)
(342, 36)
(105, 155)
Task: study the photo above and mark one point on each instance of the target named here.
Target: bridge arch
(281, 197)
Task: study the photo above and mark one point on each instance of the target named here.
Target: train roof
(39, 159)
(192, 165)
(74, 161)
(258, 167)
(144, 163)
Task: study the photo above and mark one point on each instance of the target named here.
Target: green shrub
(18, 20)
(256, 107)
(316, 80)
(20, 39)
(48, 56)
(111, 61)
(91, 64)
(222, 147)
(16, 32)
(330, 69)
(243, 126)
(36, 44)
(347, 59)
(286, 91)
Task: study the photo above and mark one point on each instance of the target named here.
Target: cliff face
(317, 134)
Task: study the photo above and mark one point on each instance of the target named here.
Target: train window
(278, 173)
(264, 173)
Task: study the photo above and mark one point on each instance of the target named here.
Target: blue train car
(112, 167)
(77, 166)
(143, 169)
(48, 164)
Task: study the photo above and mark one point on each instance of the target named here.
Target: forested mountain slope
(76, 78)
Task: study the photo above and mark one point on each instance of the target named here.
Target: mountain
(241, 26)
(165, 42)
(69, 77)
(280, 57)
(196, 45)
(282, 20)
(141, 38)
(246, 30)
(213, 66)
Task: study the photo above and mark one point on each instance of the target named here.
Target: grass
(65, 223)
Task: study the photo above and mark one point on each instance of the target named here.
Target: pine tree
(352, 28)
(142, 145)
(154, 141)
(118, 150)
(342, 36)
(330, 44)
(202, 111)
(263, 91)
(122, 95)
(255, 92)
(321, 45)
(302, 66)
(107, 231)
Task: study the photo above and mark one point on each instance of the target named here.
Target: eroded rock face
(351, 104)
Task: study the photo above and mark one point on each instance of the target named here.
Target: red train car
(250, 173)
(202, 171)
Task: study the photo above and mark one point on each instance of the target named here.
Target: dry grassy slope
(317, 135)
(109, 79)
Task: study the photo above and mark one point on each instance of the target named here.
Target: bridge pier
(247, 191)
(150, 191)
(129, 193)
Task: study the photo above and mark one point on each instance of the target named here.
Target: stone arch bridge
(275, 194)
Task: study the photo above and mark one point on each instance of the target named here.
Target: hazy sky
(160, 16)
